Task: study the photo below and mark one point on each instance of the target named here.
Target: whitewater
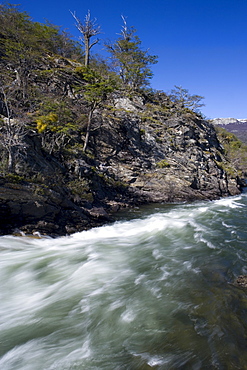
(153, 290)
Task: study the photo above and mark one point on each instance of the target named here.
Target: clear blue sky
(201, 44)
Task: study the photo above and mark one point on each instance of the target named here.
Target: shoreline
(38, 230)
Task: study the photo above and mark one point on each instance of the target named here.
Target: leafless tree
(12, 133)
(183, 99)
(88, 29)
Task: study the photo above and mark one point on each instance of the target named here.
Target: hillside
(79, 142)
(236, 126)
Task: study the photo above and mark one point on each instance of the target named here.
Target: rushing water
(151, 292)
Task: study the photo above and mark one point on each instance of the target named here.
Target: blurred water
(151, 292)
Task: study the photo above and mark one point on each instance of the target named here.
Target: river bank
(130, 163)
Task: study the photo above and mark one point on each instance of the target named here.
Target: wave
(151, 291)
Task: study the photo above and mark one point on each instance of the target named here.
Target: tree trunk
(11, 160)
(89, 122)
(86, 43)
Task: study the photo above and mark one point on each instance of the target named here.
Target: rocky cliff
(140, 151)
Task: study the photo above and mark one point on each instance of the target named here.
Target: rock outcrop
(241, 281)
(166, 160)
(32, 208)
(136, 155)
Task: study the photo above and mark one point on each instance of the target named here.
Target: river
(151, 291)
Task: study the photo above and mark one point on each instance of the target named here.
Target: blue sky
(201, 44)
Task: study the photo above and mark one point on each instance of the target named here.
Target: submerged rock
(241, 281)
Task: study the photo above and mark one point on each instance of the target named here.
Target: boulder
(241, 281)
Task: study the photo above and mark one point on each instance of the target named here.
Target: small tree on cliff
(88, 29)
(55, 123)
(131, 62)
(95, 92)
(183, 98)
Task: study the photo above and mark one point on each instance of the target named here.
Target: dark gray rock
(241, 281)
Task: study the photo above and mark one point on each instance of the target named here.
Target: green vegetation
(56, 117)
(96, 90)
(234, 149)
(163, 164)
(80, 189)
(131, 62)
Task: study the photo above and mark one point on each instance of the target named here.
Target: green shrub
(163, 164)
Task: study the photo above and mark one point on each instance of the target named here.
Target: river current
(153, 291)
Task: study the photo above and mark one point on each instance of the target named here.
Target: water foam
(121, 295)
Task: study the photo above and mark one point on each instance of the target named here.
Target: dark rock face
(135, 158)
(32, 208)
(171, 160)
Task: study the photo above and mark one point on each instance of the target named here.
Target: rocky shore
(136, 155)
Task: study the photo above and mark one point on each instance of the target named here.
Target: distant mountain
(237, 126)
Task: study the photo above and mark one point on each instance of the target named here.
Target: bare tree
(183, 98)
(12, 132)
(88, 29)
